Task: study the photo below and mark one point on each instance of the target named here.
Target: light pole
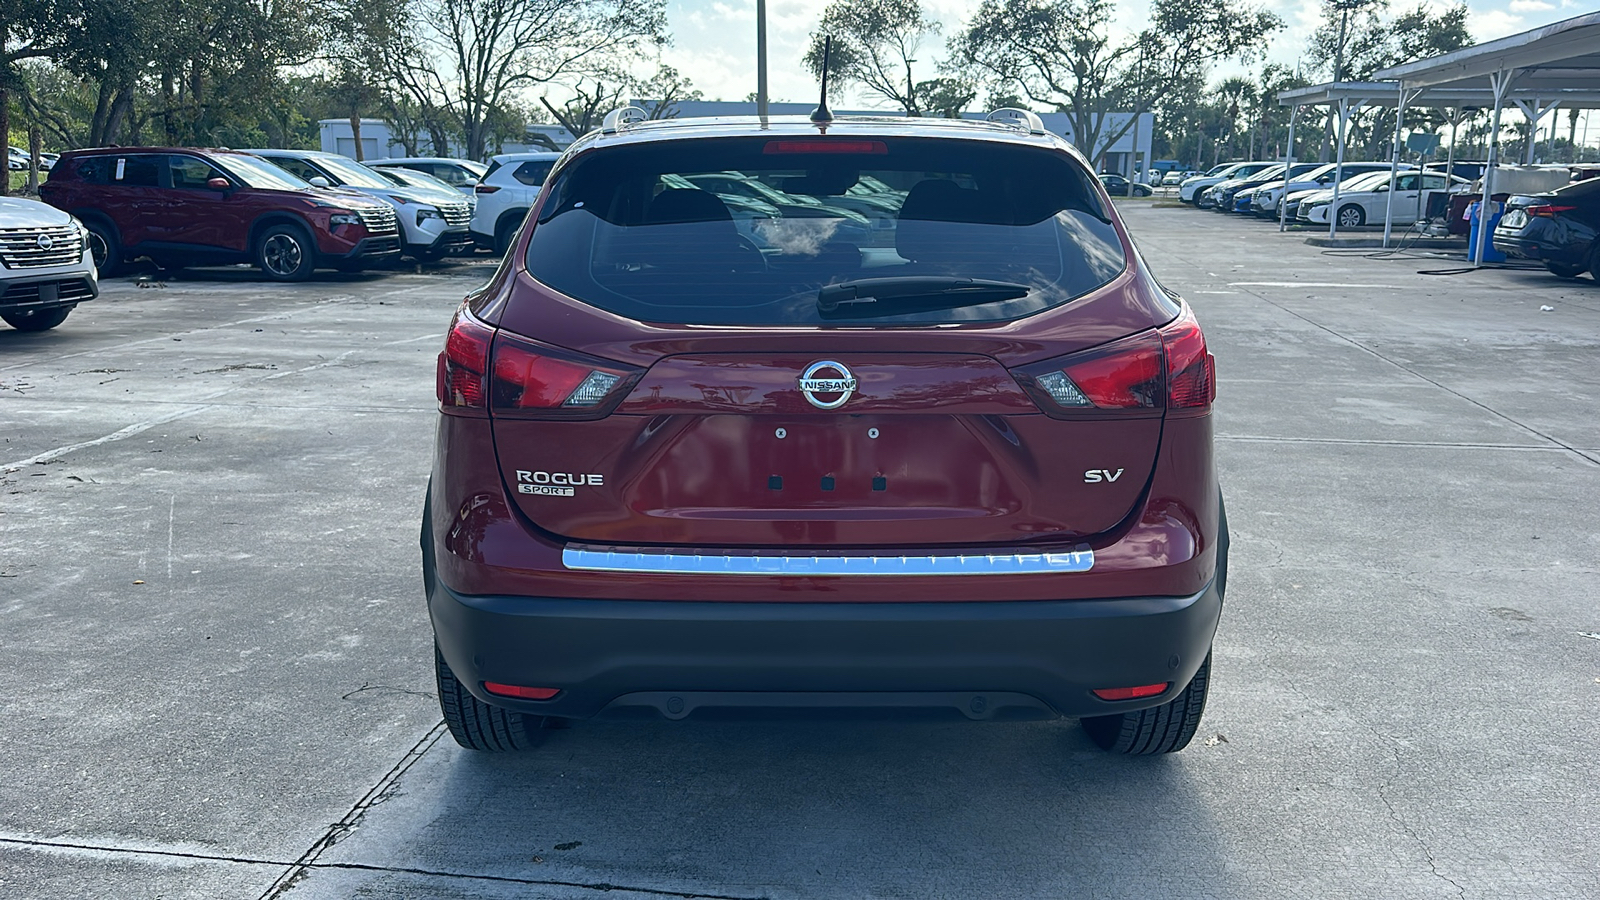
(911, 91)
(761, 58)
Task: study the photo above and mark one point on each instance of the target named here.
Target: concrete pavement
(221, 686)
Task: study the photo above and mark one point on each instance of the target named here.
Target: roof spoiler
(1020, 119)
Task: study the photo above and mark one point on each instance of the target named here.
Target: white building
(1127, 154)
(377, 140)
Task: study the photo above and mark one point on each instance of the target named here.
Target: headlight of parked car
(425, 213)
(344, 218)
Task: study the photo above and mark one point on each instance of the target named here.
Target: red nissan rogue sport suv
(696, 455)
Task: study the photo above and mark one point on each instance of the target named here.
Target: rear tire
(476, 725)
(40, 320)
(506, 232)
(1167, 728)
(1564, 270)
(285, 253)
(1594, 261)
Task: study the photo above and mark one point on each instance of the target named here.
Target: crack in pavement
(146, 425)
(600, 886)
(1421, 377)
(1383, 794)
(352, 818)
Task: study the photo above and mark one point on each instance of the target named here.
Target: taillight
(1167, 367)
(460, 381)
(1191, 369)
(485, 188)
(1547, 211)
(528, 380)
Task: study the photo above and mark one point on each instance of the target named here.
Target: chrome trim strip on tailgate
(1078, 559)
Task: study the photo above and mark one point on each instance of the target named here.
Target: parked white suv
(433, 223)
(46, 268)
(505, 195)
(461, 174)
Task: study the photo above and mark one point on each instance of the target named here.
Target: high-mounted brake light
(462, 365)
(530, 379)
(1548, 211)
(1167, 367)
(840, 146)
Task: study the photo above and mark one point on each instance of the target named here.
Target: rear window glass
(532, 172)
(732, 232)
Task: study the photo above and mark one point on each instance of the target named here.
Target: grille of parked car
(34, 248)
(379, 219)
(456, 213)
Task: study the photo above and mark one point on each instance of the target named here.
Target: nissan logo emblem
(811, 384)
(46, 242)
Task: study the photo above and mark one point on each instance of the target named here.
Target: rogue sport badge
(811, 384)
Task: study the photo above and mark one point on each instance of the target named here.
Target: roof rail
(622, 117)
(1017, 118)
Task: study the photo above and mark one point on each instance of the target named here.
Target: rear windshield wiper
(866, 297)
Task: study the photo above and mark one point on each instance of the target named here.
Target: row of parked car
(1559, 228)
(1304, 192)
(289, 212)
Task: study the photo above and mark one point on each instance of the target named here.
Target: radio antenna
(821, 115)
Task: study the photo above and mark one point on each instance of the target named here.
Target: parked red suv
(185, 207)
(692, 459)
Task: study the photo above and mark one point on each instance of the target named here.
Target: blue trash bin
(1490, 254)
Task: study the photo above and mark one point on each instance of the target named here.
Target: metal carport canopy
(1532, 65)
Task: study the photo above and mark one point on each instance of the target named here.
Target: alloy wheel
(98, 251)
(281, 255)
(1349, 217)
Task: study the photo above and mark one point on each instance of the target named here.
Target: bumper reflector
(521, 693)
(1131, 693)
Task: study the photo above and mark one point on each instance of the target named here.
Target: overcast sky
(714, 40)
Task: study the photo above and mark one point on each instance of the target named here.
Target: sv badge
(1095, 476)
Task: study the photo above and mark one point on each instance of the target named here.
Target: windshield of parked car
(413, 178)
(667, 232)
(350, 172)
(258, 173)
(1364, 182)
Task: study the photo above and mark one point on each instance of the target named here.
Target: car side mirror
(219, 183)
(318, 181)
(1324, 179)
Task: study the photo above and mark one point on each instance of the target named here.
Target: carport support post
(1283, 200)
(1394, 167)
(1338, 171)
(1499, 82)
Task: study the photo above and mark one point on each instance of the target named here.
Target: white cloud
(1527, 6)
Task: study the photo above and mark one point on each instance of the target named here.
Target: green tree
(947, 97)
(468, 60)
(1059, 54)
(874, 44)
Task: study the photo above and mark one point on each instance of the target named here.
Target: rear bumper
(1539, 244)
(983, 659)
